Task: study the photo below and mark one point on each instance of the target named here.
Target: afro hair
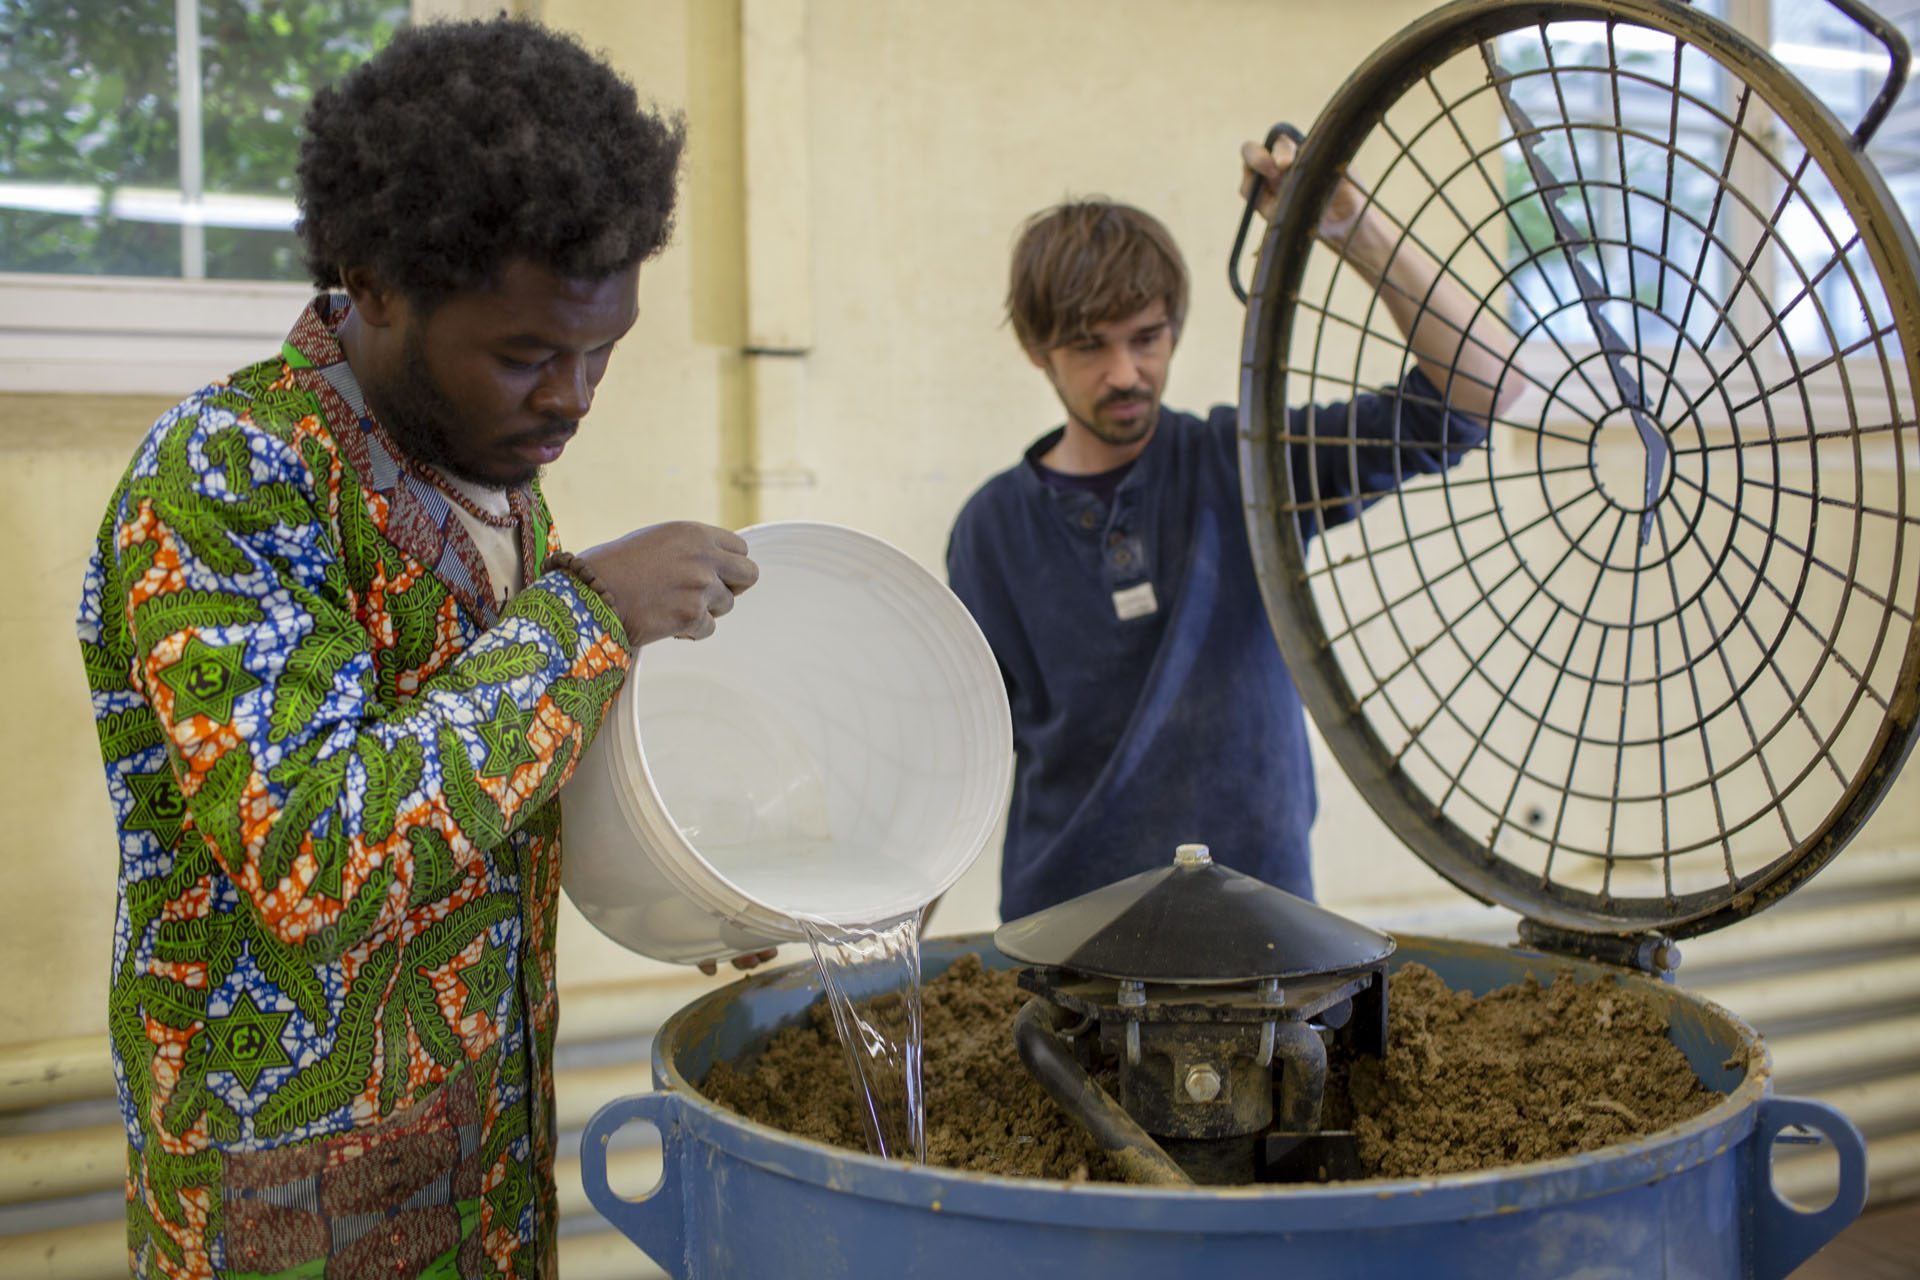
(463, 145)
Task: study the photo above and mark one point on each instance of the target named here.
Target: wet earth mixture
(1527, 1072)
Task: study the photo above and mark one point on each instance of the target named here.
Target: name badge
(1135, 602)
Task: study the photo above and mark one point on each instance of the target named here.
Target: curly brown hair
(1086, 262)
(462, 145)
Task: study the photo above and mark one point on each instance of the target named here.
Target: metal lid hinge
(1651, 953)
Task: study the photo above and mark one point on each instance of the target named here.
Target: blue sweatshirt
(1150, 703)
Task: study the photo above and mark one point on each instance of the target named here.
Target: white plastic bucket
(839, 748)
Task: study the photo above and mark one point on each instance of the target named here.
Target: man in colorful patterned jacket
(340, 670)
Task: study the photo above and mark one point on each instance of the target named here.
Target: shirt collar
(411, 513)
(1156, 445)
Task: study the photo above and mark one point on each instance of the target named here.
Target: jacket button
(1089, 518)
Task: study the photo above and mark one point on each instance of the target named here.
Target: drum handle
(657, 1221)
(1784, 1236)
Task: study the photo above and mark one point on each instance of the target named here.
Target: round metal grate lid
(1646, 657)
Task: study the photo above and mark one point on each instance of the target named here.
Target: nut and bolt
(1132, 996)
(1203, 1083)
(1193, 855)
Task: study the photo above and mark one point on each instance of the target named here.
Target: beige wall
(930, 130)
(60, 456)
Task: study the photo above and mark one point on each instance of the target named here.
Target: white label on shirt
(1135, 602)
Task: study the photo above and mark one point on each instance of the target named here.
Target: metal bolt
(1193, 855)
(1132, 996)
(1203, 1083)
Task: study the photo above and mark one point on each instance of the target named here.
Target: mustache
(1122, 397)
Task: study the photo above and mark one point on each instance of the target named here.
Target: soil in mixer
(1528, 1072)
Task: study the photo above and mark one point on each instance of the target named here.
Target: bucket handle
(1785, 1236)
(657, 1221)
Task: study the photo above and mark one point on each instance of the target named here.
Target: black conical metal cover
(1193, 923)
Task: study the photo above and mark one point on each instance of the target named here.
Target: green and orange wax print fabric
(333, 769)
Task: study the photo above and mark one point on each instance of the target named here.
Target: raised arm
(1456, 339)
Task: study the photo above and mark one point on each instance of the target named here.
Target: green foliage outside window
(91, 102)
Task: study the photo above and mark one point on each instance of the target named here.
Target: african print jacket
(333, 769)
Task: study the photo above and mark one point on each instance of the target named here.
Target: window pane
(1636, 129)
(90, 147)
(91, 92)
(260, 64)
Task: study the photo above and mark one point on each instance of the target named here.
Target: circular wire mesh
(1646, 656)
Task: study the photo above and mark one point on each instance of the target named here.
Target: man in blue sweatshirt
(1110, 568)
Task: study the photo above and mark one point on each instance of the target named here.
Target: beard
(425, 423)
(1121, 432)
(420, 417)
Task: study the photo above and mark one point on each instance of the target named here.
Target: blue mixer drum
(738, 1199)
